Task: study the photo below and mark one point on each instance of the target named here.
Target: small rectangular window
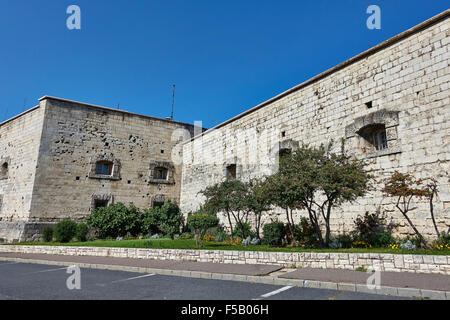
(231, 171)
(100, 203)
(103, 168)
(160, 174)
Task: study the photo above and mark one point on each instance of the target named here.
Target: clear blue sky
(223, 56)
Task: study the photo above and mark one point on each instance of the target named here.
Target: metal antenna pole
(173, 102)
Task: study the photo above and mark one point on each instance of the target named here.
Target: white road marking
(272, 293)
(48, 270)
(128, 279)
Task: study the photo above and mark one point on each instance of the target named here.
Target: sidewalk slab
(438, 282)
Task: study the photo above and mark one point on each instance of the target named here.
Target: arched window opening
(375, 136)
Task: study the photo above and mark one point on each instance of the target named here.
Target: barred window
(104, 168)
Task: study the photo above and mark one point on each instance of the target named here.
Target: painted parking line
(272, 293)
(47, 270)
(128, 279)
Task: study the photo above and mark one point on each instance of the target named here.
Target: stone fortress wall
(19, 146)
(67, 141)
(400, 86)
(49, 154)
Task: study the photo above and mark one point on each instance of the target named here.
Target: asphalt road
(45, 282)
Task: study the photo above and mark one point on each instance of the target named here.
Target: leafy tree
(171, 218)
(228, 197)
(405, 187)
(256, 201)
(284, 193)
(151, 221)
(318, 181)
(200, 223)
(115, 220)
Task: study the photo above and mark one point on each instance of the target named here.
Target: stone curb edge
(341, 286)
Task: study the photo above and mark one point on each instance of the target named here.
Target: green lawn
(190, 244)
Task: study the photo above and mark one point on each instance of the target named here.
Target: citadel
(390, 105)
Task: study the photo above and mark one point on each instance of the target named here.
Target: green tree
(200, 223)
(171, 218)
(318, 180)
(283, 193)
(228, 197)
(405, 187)
(256, 201)
(115, 220)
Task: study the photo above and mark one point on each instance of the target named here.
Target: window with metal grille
(379, 139)
(103, 168)
(375, 137)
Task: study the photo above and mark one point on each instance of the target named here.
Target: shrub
(367, 227)
(47, 234)
(305, 234)
(81, 232)
(186, 235)
(345, 240)
(115, 220)
(200, 223)
(383, 239)
(221, 236)
(65, 230)
(171, 219)
(415, 240)
(335, 244)
(151, 221)
(408, 245)
(243, 230)
(444, 239)
(274, 233)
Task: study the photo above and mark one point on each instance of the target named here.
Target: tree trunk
(316, 226)
(414, 228)
(432, 213)
(231, 225)
(290, 233)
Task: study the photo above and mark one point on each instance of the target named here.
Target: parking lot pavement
(47, 282)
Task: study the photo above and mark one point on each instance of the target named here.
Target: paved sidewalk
(438, 282)
(433, 286)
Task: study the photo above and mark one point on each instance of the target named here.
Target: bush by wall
(274, 233)
(115, 220)
(65, 230)
(82, 231)
(47, 234)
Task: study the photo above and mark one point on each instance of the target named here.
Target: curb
(341, 286)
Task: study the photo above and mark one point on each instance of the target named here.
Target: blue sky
(224, 56)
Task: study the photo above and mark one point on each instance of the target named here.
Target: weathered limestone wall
(76, 135)
(408, 85)
(19, 146)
